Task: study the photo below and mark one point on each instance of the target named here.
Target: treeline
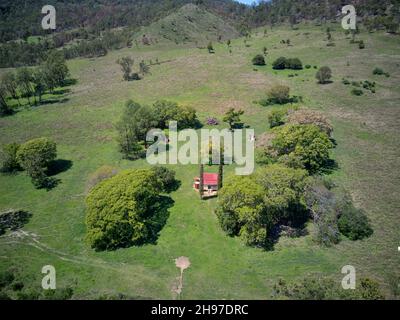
(20, 19)
(32, 83)
(22, 53)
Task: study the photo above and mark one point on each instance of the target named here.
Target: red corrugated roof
(210, 178)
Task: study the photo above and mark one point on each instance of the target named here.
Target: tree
(201, 184)
(39, 80)
(133, 126)
(166, 111)
(323, 75)
(305, 143)
(232, 118)
(258, 60)
(4, 107)
(220, 173)
(277, 118)
(24, 79)
(249, 206)
(294, 64)
(122, 210)
(34, 156)
(279, 64)
(165, 179)
(54, 70)
(10, 85)
(144, 68)
(9, 158)
(306, 116)
(354, 224)
(126, 64)
(278, 94)
(210, 47)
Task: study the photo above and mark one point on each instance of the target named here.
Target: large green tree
(121, 211)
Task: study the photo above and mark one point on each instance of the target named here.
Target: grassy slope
(366, 129)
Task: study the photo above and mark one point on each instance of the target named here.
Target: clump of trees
(126, 64)
(138, 119)
(279, 94)
(315, 287)
(28, 82)
(126, 210)
(250, 206)
(284, 63)
(323, 75)
(258, 60)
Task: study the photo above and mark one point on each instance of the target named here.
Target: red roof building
(210, 183)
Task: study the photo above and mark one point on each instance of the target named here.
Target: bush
(279, 64)
(277, 118)
(324, 74)
(307, 66)
(294, 64)
(123, 210)
(13, 220)
(353, 223)
(102, 173)
(166, 179)
(212, 121)
(345, 82)
(357, 92)
(305, 116)
(9, 158)
(361, 44)
(258, 60)
(279, 94)
(34, 156)
(378, 71)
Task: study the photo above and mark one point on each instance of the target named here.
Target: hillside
(189, 24)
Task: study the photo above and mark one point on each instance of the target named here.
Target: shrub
(345, 81)
(305, 116)
(294, 64)
(354, 224)
(212, 121)
(102, 173)
(34, 156)
(357, 92)
(121, 211)
(13, 220)
(9, 158)
(278, 94)
(324, 74)
(307, 66)
(258, 60)
(279, 64)
(166, 179)
(277, 118)
(361, 44)
(378, 71)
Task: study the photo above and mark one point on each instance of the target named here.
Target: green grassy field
(366, 129)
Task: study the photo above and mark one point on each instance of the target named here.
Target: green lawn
(366, 130)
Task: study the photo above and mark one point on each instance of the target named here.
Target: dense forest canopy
(21, 18)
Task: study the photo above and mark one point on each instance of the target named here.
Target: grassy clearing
(366, 130)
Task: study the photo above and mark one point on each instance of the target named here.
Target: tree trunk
(201, 184)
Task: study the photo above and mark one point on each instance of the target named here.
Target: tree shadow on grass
(330, 166)
(70, 82)
(58, 166)
(159, 219)
(13, 220)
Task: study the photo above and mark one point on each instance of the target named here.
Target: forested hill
(20, 19)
